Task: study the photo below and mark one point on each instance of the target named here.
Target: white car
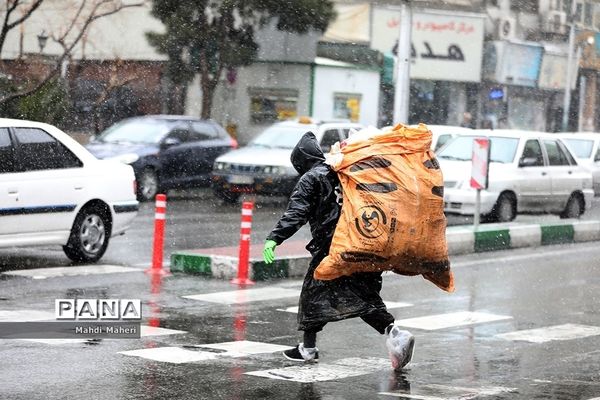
(528, 172)
(54, 192)
(441, 134)
(586, 149)
(264, 165)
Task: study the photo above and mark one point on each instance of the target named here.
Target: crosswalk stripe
(157, 331)
(245, 296)
(443, 392)
(451, 320)
(245, 347)
(44, 273)
(340, 369)
(174, 355)
(25, 315)
(551, 333)
(388, 304)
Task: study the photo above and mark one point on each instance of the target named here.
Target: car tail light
(234, 143)
(134, 187)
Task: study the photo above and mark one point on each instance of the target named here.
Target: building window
(347, 106)
(529, 6)
(270, 105)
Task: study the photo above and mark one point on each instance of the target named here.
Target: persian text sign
(481, 162)
(445, 46)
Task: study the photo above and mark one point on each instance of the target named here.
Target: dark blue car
(165, 151)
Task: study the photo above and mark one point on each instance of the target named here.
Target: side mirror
(170, 142)
(528, 162)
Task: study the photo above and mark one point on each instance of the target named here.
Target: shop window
(347, 106)
(271, 105)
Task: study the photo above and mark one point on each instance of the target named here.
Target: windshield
(581, 147)
(135, 131)
(503, 149)
(283, 137)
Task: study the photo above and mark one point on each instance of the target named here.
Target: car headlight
(220, 166)
(127, 158)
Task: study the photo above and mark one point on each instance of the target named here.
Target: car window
(597, 156)
(555, 154)
(183, 135)
(442, 140)
(38, 150)
(281, 137)
(502, 150)
(202, 131)
(7, 152)
(136, 131)
(582, 148)
(567, 153)
(533, 149)
(330, 137)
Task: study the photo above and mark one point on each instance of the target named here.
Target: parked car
(165, 151)
(586, 149)
(53, 191)
(264, 166)
(441, 134)
(528, 172)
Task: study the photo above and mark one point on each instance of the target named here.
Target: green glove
(269, 251)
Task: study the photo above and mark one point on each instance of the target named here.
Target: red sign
(481, 162)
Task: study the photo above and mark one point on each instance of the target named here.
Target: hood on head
(306, 153)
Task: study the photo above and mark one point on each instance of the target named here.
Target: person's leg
(306, 351)
(400, 343)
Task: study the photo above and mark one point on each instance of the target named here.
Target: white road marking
(44, 273)
(451, 320)
(341, 369)
(175, 355)
(156, 331)
(245, 296)
(388, 304)
(550, 333)
(521, 257)
(245, 347)
(455, 392)
(25, 315)
(56, 341)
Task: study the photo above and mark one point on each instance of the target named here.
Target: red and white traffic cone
(159, 236)
(244, 255)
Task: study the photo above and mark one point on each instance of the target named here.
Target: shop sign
(512, 63)
(553, 73)
(445, 47)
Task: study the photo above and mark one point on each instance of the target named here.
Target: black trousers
(378, 319)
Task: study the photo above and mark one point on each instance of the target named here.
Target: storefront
(446, 61)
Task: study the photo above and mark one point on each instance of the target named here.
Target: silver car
(264, 166)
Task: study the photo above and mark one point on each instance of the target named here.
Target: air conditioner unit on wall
(506, 29)
(555, 22)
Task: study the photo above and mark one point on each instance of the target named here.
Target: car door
(206, 144)
(51, 182)
(532, 181)
(174, 154)
(564, 181)
(9, 184)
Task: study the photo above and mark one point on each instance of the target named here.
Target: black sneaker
(302, 354)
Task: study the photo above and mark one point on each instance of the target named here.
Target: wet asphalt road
(528, 288)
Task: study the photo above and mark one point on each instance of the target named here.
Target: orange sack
(392, 216)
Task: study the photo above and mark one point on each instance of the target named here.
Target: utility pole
(567, 97)
(402, 92)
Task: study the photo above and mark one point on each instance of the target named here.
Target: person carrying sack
(317, 199)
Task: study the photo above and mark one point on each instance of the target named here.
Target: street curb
(460, 239)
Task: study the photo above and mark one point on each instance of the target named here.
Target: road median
(292, 258)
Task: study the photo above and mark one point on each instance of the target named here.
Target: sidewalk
(292, 258)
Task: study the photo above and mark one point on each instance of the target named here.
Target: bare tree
(11, 6)
(70, 35)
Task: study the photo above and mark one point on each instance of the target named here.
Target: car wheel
(89, 236)
(574, 207)
(505, 209)
(227, 197)
(148, 185)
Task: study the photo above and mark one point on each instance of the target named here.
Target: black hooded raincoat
(316, 199)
